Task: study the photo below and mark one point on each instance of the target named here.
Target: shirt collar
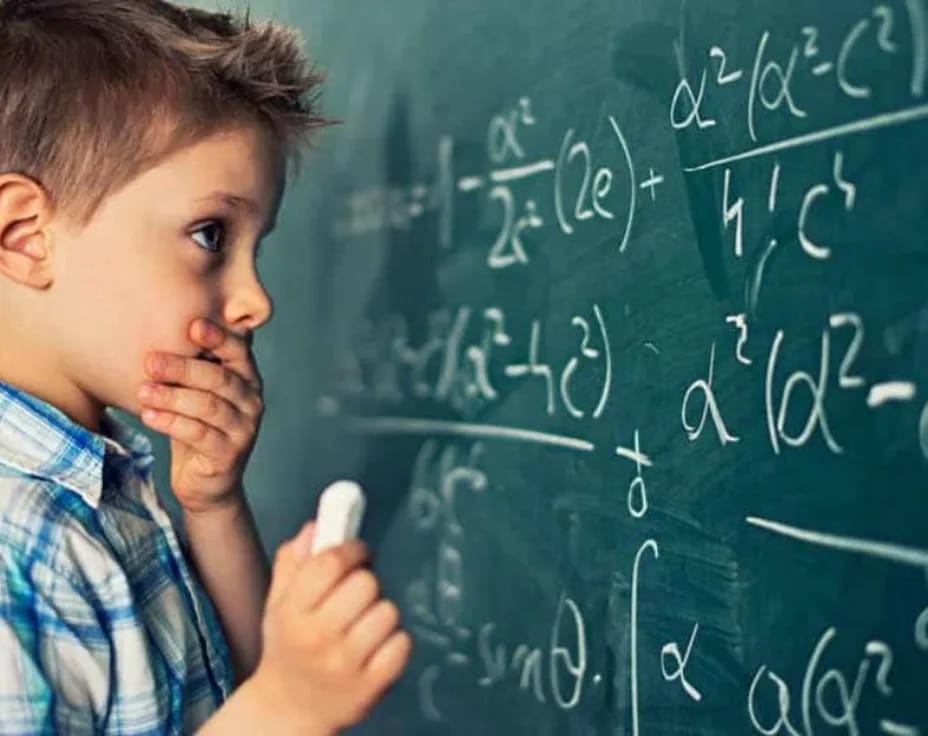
(38, 438)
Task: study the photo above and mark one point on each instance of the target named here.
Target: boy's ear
(25, 242)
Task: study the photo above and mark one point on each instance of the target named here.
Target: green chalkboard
(619, 312)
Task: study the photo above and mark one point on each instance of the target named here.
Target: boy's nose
(248, 305)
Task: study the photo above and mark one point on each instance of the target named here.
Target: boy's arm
(248, 710)
(226, 552)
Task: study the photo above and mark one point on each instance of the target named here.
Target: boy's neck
(52, 386)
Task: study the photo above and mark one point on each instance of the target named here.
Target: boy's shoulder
(45, 526)
(51, 479)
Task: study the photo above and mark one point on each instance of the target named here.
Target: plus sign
(651, 183)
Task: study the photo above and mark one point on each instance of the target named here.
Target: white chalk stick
(338, 518)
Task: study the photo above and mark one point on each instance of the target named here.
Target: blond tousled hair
(95, 92)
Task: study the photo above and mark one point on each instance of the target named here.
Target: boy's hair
(95, 92)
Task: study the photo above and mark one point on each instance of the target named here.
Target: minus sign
(880, 393)
(470, 183)
(822, 68)
(521, 172)
(432, 637)
(458, 658)
(897, 729)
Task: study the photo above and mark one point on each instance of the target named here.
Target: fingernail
(208, 331)
(157, 363)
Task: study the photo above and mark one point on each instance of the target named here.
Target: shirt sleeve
(54, 651)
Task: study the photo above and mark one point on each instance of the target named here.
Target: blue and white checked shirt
(103, 627)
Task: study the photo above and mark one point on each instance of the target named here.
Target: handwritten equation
(583, 189)
(557, 671)
(543, 191)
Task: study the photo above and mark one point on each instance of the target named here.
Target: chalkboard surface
(619, 311)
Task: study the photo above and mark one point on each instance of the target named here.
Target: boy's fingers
(231, 348)
(388, 662)
(371, 630)
(349, 599)
(169, 369)
(317, 575)
(289, 556)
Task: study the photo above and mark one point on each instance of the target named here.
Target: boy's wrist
(276, 711)
(220, 511)
(253, 709)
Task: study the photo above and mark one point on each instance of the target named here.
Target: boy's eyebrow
(239, 202)
(233, 200)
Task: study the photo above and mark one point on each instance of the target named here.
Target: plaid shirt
(103, 627)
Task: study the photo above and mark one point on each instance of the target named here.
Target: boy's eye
(215, 230)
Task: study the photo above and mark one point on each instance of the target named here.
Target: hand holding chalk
(331, 645)
(338, 518)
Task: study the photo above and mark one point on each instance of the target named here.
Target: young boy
(142, 158)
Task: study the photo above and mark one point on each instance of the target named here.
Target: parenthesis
(607, 384)
(755, 78)
(918, 22)
(427, 693)
(768, 393)
(810, 676)
(632, 184)
(566, 227)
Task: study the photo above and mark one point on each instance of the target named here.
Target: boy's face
(166, 249)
